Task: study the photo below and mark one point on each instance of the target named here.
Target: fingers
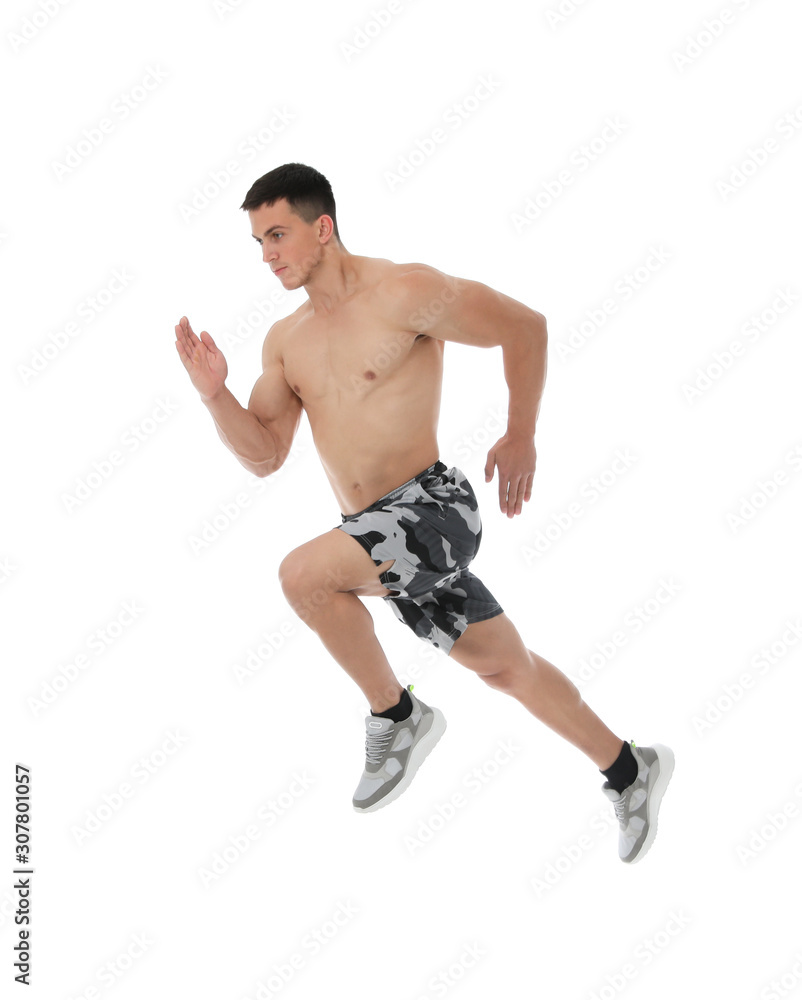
(191, 351)
(516, 500)
(187, 356)
(529, 481)
(512, 494)
(206, 337)
(193, 347)
(187, 332)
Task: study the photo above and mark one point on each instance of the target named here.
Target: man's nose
(269, 254)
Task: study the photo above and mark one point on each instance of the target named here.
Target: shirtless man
(363, 356)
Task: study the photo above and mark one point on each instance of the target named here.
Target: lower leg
(556, 701)
(345, 627)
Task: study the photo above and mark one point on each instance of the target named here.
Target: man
(363, 356)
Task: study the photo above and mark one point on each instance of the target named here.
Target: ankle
(384, 701)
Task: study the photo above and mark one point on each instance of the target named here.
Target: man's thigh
(490, 646)
(337, 561)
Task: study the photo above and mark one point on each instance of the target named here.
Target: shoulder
(276, 338)
(400, 278)
(409, 291)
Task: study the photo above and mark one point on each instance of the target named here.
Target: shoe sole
(417, 756)
(665, 756)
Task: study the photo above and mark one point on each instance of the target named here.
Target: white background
(700, 97)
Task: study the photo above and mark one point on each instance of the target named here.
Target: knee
(501, 680)
(307, 591)
(507, 677)
(294, 576)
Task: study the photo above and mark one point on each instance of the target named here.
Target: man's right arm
(260, 435)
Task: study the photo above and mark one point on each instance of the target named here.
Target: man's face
(290, 246)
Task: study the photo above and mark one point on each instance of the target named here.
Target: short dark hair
(307, 192)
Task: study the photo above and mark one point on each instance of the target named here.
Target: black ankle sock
(623, 771)
(398, 712)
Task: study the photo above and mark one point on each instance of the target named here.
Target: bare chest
(350, 358)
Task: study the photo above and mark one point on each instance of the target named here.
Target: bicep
(273, 402)
(461, 310)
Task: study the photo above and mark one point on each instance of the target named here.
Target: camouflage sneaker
(636, 807)
(394, 752)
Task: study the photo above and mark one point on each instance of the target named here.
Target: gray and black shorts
(431, 526)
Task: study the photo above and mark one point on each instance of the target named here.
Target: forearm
(525, 374)
(241, 431)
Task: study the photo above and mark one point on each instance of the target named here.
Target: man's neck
(337, 277)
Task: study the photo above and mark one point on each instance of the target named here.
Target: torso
(372, 394)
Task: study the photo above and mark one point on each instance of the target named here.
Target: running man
(363, 356)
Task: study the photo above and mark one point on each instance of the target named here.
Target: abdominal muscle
(375, 439)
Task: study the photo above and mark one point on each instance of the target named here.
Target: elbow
(265, 469)
(260, 467)
(539, 325)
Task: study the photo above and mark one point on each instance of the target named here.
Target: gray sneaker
(394, 751)
(636, 807)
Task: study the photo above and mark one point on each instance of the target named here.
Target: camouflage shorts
(431, 526)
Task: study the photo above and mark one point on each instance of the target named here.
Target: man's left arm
(469, 312)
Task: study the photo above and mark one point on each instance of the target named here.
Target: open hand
(515, 458)
(202, 358)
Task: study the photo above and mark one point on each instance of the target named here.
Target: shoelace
(376, 744)
(619, 805)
